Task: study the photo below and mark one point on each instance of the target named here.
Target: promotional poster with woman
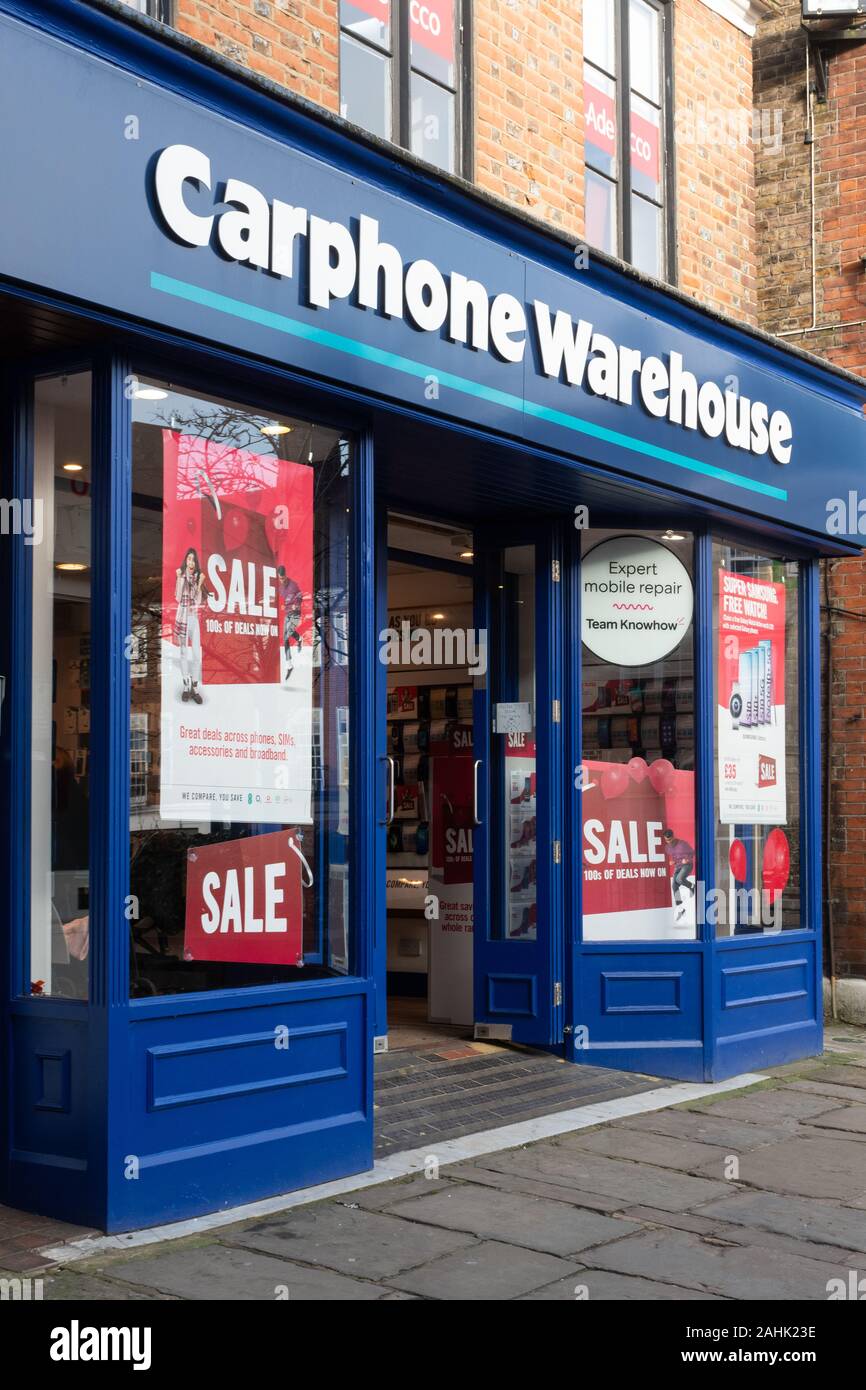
(237, 583)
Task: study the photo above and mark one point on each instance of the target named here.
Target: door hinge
(556, 713)
(554, 571)
(557, 994)
(557, 851)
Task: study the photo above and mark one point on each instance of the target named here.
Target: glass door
(518, 849)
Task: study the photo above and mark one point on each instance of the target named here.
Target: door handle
(392, 774)
(476, 818)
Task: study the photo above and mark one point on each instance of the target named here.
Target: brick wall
(529, 106)
(715, 161)
(784, 201)
(785, 213)
(293, 42)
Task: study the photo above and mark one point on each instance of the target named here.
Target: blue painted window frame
(111, 534)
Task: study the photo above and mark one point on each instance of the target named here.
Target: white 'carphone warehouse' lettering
(273, 235)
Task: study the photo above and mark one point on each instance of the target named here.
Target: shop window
(239, 681)
(757, 737)
(628, 120)
(60, 655)
(403, 75)
(637, 775)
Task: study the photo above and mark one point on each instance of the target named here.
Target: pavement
(754, 1194)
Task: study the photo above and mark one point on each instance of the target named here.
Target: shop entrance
(472, 921)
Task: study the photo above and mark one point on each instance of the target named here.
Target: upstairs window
(154, 9)
(627, 117)
(402, 75)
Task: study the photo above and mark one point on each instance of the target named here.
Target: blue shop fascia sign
(135, 199)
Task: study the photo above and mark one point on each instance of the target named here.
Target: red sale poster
(751, 700)
(237, 583)
(452, 821)
(638, 851)
(243, 900)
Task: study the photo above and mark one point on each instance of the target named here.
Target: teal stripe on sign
(296, 328)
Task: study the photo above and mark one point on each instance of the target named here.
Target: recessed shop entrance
(432, 659)
(470, 920)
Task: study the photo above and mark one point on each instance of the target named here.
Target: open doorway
(431, 663)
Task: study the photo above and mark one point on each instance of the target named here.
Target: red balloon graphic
(614, 781)
(661, 774)
(236, 527)
(737, 860)
(776, 867)
(637, 769)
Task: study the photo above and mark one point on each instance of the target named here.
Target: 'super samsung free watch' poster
(237, 634)
(751, 665)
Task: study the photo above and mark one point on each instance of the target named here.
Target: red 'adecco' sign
(243, 901)
(431, 22)
(600, 117)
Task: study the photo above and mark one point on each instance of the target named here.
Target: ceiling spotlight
(467, 555)
(72, 467)
(275, 429)
(437, 617)
(71, 566)
(149, 393)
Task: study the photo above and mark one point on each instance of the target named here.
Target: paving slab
(733, 1271)
(378, 1198)
(71, 1286)
(223, 1273)
(806, 1167)
(601, 1285)
(571, 1166)
(489, 1270)
(718, 1229)
(356, 1242)
(828, 1088)
(780, 1106)
(534, 1222)
(840, 1075)
(518, 1183)
(642, 1146)
(706, 1127)
(847, 1117)
(815, 1221)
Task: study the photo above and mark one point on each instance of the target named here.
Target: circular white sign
(637, 601)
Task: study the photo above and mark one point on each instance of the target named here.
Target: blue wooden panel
(49, 1169)
(49, 1088)
(512, 993)
(763, 982)
(267, 1060)
(641, 1009)
(641, 991)
(53, 1090)
(220, 1113)
(765, 1002)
